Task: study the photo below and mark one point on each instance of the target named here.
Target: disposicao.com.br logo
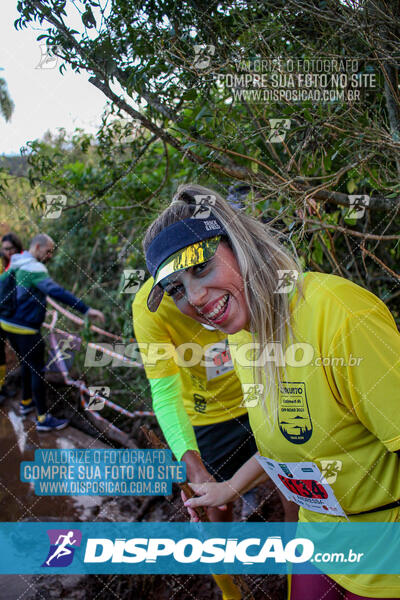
(192, 550)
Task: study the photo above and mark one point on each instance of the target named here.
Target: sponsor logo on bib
(294, 416)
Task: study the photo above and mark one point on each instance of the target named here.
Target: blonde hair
(260, 255)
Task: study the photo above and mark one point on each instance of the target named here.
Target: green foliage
(183, 122)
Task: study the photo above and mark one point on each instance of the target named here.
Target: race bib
(218, 360)
(303, 483)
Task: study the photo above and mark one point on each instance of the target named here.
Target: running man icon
(60, 552)
(62, 352)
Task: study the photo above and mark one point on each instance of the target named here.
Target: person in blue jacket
(33, 284)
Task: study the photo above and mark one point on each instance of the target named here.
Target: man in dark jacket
(10, 244)
(23, 327)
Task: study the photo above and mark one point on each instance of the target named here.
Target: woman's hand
(211, 494)
(197, 472)
(194, 518)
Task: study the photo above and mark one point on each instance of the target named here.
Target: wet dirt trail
(18, 502)
(18, 441)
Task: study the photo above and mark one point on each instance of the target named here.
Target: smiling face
(212, 292)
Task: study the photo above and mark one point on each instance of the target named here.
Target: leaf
(351, 186)
(317, 253)
(204, 113)
(307, 115)
(327, 163)
(88, 18)
(190, 94)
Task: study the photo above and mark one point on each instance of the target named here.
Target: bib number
(307, 488)
(303, 483)
(218, 360)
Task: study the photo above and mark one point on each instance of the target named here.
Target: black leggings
(30, 350)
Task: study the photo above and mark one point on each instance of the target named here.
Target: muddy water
(18, 441)
(18, 502)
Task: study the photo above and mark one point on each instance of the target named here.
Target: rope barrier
(80, 321)
(53, 319)
(112, 353)
(115, 355)
(78, 384)
(63, 333)
(83, 389)
(98, 417)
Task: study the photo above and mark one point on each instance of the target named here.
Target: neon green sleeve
(171, 414)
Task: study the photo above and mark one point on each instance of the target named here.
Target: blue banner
(189, 548)
(104, 472)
